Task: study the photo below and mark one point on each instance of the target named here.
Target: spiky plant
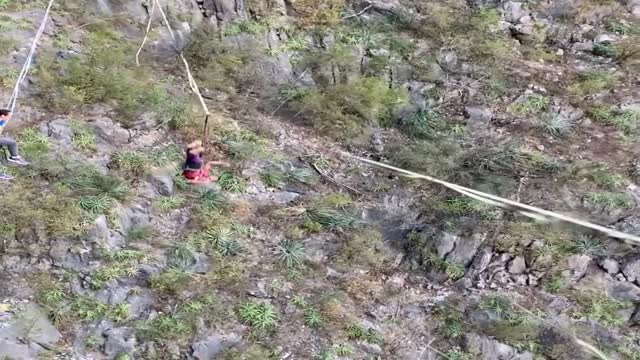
(290, 253)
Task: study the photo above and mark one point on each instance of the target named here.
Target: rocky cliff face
(299, 251)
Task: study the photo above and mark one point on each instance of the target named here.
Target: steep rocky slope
(299, 251)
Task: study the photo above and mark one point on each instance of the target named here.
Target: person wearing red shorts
(195, 169)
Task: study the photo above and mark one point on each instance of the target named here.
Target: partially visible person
(195, 169)
(11, 144)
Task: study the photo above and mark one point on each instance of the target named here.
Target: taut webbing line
(502, 202)
(11, 105)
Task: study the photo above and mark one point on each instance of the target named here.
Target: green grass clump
(272, 178)
(33, 144)
(89, 181)
(229, 181)
(532, 104)
(344, 110)
(556, 125)
(214, 201)
(83, 138)
(453, 270)
(600, 307)
(166, 155)
(252, 27)
(365, 248)
(131, 162)
(171, 281)
(357, 332)
(101, 75)
(554, 283)
(167, 203)
(140, 233)
(625, 121)
(261, 316)
(164, 327)
(608, 178)
(330, 218)
(96, 204)
(609, 199)
(290, 253)
(300, 175)
(593, 82)
(421, 125)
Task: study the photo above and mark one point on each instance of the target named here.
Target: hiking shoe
(18, 160)
(5, 177)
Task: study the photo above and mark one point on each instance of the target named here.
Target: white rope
(27, 64)
(146, 33)
(528, 210)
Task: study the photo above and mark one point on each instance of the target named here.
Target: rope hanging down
(527, 210)
(192, 82)
(11, 105)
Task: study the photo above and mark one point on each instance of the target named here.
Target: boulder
(210, 347)
(517, 265)
(632, 271)
(577, 266)
(485, 348)
(478, 116)
(466, 249)
(611, 266)
(513, 11)
(30, 322)
(162, 183)
(119, 341)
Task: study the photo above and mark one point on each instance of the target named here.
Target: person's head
(4, 114)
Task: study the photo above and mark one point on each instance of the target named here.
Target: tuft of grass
(140, 233)
(96, 204)
(33, 144)
(421, 125)
(532, 104)
(609, 199)
(457, 355)
(301, 175)
(329, 218)
(131, 162)
(454, 271)
(604, 49)
(213, 200)
(261, 316)
(127, 255)
(272, 178)
(453, 326)
(290, 253)
(166, 203)
(312, 318)
(170, 281)
(496, 304)
(165, 156)
(556, 125)
(357, 332)
(600, 307)
(608, 179)
(82, 139)
(228, 181)
(343, 350)
(593, 82)
(589, 246)
(164, 327)
(90, 182)
(625, 121)
(554, 283)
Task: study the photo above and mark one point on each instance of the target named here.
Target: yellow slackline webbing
(502, 202)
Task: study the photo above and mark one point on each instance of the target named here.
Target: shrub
(625, 121)
(33, 144)
(436, 158)
(422, 124)
(556, 125)
(345, 109)
(318, 13)
(131, 162)
(102, 75)
(363, 248)
(530, 105)
(593, 82)
(228, 181)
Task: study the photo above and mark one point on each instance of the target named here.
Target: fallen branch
(359, 13)
(331, 180)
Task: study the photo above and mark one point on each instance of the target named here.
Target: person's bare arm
(219, 163)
